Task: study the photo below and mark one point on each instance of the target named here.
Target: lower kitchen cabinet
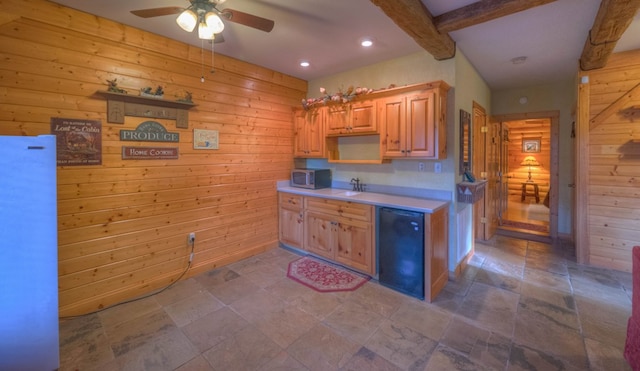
(291, 218)
(344, 232)
(341, 231)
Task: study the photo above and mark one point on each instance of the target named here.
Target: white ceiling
(327, 34)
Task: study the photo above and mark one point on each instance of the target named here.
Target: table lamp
(530, 161)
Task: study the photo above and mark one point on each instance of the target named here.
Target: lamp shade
(214, 22)
(187, 20)
(530, 161)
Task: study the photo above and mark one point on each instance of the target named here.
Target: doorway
(526, 165)
(528, 174)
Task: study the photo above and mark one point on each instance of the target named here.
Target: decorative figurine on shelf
(148, 92)
(187, 98)
(113, 87)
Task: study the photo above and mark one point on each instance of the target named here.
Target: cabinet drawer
(345, 209)
(290, 201)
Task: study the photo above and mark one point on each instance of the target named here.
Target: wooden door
(503, 171)
(492, 190)
(479, 129)
(391, 113)
(421, 125)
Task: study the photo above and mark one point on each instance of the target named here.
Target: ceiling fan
(208, 18)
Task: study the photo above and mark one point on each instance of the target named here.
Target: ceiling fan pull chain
(201, 60)
(212, 44)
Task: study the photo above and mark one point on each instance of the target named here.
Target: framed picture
(531, 145)
(205, 139)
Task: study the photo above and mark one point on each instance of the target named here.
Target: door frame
(554, 117)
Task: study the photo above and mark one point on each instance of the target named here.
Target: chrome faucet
(357, 186)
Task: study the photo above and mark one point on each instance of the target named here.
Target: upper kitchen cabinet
(309, 133)
(413, 125)
(354, 118)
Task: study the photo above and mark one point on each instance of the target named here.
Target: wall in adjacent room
(123, 225)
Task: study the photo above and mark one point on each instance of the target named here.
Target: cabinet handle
(408, 151)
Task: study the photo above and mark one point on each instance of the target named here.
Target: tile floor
(520, 305)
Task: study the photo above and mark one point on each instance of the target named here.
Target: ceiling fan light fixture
(187, 20)
(214, 22)
(205, 32)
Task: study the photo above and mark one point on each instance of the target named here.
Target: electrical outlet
(420, 166)
(192, 238)
(437, 167)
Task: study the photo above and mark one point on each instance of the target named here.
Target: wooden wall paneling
(123, 225)
(609, 163)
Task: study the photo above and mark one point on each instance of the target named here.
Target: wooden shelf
(146, 100)
(120, 105)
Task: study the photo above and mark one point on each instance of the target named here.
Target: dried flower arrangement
(339, 97)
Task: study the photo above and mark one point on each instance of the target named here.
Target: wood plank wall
(612, 192)
(123, 225)
(528, 129)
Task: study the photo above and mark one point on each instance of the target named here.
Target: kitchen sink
(350, 193)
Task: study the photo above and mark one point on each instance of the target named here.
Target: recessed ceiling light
(366, 43)
(304, 64)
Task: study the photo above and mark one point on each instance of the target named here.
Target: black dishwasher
(401, 251)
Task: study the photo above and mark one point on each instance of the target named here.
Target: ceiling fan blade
(247, 19)
(157, 12)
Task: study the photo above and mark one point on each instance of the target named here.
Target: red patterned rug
(324, 277)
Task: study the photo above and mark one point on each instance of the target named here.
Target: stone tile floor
(519, 305)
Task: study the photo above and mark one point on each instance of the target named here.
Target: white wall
(556, 97)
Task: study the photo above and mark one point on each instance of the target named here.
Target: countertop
(377, 199)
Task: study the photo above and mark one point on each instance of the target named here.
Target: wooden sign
(149, 153)
(149, 131)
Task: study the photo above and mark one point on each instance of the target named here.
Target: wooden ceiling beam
(416, 20)
(482, 11)
(612, 20)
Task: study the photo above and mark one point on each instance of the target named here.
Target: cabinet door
(291, 231)
(355, 245)
(421, 125)
(363, 118)
(338, 117)
(320, 234)
(391, 115)
(309, 133)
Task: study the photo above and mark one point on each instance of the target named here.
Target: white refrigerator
(28, 254)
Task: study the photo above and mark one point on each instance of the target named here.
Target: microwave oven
(311, 178)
